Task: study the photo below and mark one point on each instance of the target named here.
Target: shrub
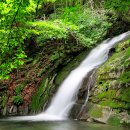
(19, 89)
(17, 100)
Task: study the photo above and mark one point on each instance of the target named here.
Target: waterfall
(65, 97)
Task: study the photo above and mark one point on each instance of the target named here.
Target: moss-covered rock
(96, 112)
(113, 120)
(42, 95)
(112, 87)
(65, 70)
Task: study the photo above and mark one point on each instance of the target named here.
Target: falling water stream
(65, 97)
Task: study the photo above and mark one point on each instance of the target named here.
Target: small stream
(61, 125)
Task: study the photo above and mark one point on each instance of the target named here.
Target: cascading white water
(66, 96)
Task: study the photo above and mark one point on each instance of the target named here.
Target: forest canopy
(43, 20)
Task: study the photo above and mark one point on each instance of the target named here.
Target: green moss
(19, 88)
(125, 95)
(64, 71)
(111, 64)
(35, 105)
(43, 93)
(114, 120)
(61, 76)
(112, 99)
(115, 104)
(113, 79)
(107, 94)
(125, 77)
(114, 61)
(96, 111)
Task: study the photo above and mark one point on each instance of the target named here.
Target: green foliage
(13, 32)
(52, 30)
(49, 1)
(121, 6)
(19, 89)
(56, 55)
(17, 100)
(3, 101)
(18, 23)
(92, 25)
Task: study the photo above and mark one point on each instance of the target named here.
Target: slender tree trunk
(54, 9)
(37, 8)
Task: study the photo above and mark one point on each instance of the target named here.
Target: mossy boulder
(99, 113)
(106, 115)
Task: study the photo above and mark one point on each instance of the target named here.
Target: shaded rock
(12, 110)
(86, 117)
(24, 110)
(3, 87)
(75, 111)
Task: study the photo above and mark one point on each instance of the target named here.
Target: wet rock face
(111, 51)
(87, 84)
(79, 108)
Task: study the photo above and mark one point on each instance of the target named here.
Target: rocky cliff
(109, 100)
